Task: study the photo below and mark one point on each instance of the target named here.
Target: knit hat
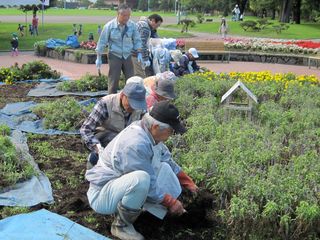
(166, 112)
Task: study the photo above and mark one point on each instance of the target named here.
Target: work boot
(122, 225)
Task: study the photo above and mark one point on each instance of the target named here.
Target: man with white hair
(187, 63)
(127, 179)
(122, 38)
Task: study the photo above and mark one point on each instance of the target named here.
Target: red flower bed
(303, 44)
(88, 45)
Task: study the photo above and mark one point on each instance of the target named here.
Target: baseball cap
(135, 79)
(165, 88)
(167, 75)
(193, 52)
(136, 94)
(166, 112)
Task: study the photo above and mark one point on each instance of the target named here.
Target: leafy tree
(167, 5)
(100, 4)
(84, 3)
(143, 5)
(286, 10)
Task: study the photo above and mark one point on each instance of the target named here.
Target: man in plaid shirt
(110, 115)
(146, 27)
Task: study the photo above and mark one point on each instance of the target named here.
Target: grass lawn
(295, 31)
(61, 31)
(76, 12)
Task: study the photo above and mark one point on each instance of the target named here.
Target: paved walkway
(76, 70)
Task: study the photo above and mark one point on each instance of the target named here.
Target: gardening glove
(98, 61)
(98, 148)
(187, 182)
(147, 63)
(174, 206)
(139, 57)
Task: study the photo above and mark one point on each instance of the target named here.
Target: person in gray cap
(163, 90)
(187, 63)
(111, 115)
(126, 179)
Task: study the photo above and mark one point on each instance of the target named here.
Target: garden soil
(198, 223)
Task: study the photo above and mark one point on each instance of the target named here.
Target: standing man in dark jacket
(146, 28)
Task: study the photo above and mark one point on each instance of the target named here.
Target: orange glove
(174, 206)
(187, 182)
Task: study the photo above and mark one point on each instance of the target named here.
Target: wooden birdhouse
(239, 98)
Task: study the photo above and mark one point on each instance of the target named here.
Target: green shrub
(12, 169)
(264, 173)
(86, 83)
(40, 48)
(29, 71)
(249, 24)
(4, 130)
(37, 70)
(200, 18)
(65, 114)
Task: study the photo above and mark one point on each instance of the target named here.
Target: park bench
(208, 47)
(316, 60)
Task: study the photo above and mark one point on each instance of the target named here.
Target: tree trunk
(242, 6)
(286, 11)
(273, 14)
(297, 11)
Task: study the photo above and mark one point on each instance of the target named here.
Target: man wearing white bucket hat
(187, 63)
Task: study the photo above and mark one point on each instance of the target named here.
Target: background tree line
(284, 10)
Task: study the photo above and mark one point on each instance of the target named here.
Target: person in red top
(35, 22)
(163, 90)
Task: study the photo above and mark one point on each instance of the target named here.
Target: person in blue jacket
(122, 38)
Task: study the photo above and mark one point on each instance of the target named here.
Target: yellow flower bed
(264, 76)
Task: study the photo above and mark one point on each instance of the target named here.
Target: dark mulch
(197, 223)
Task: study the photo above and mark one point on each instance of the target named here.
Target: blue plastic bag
(72, 41)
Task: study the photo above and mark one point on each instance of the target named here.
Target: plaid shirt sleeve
(145, 32)
(98, 115)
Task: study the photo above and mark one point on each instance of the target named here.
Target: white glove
(139, 57)
(98, 61)
(100, 148)
(146, 63)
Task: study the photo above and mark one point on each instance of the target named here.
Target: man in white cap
(111, 115)
(187, 63)
(126, 179)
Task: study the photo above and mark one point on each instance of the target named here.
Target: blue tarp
(31, 192)
(54, 42)
(43, 224)
(18, 116)
(49, 89)
(63, 78)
